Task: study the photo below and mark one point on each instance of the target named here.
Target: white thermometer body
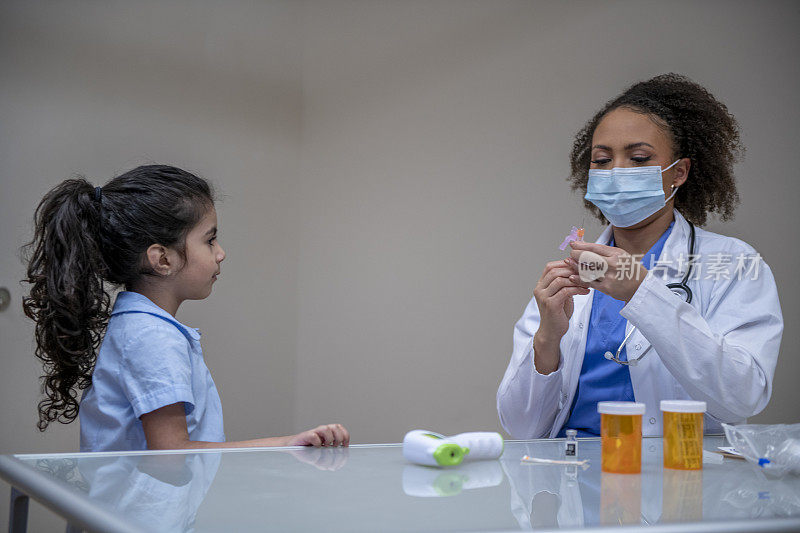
(434, 449)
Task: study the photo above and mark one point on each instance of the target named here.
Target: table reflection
(559, 496)
(747, 493)
(159, 492)
(324, 458)
(325, 488)
(547, 496)
(620, 499)
(432, 482)
(162, 492)
(682, 496)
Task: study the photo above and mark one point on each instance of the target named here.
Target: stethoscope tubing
(674, 287)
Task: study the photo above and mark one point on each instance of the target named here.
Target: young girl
(153, 231)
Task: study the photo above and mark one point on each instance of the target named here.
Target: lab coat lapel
(647, 377)
(677, 245)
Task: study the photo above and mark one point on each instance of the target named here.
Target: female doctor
(681, 313)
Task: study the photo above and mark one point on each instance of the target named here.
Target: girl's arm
(165, 429)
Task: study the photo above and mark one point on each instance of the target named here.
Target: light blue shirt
(601, 379)
(147, 360)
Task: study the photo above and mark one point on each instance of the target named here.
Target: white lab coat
(722, 348)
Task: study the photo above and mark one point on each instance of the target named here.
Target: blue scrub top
(602, 380)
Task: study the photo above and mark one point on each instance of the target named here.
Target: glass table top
(373, 488)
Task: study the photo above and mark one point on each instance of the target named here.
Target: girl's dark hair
(701, 129)
(86, 236)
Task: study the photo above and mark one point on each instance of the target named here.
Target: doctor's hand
(553, 294)
(620, 280)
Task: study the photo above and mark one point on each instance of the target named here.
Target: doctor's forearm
(546, 355)
(727, 377)
(527, 400)
(729, 367)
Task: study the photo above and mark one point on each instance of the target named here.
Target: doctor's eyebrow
(627, 146)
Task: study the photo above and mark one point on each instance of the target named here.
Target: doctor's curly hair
(701, 128)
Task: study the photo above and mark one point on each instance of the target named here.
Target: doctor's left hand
(624, 274)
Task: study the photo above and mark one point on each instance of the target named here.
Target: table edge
(56, 496)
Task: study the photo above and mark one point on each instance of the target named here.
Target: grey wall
(392, 177)
(435, 145)
(98, 88)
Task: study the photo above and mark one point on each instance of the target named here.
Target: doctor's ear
(681, 171)
(161, 260)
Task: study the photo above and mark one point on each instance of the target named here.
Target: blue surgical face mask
(626, 196)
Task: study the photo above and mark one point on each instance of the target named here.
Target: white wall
(393, 177)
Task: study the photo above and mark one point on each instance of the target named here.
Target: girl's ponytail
(85, 236)
(67, 298)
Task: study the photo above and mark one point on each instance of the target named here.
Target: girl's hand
(624, 274)
(330, 459)
(327, 435)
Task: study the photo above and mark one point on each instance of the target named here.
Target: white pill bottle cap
(620, 408)
(683, 406)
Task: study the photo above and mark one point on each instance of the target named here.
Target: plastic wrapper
(774, 448)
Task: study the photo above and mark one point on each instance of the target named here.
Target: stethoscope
(677, 288)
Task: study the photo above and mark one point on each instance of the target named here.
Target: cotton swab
(584, 463)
